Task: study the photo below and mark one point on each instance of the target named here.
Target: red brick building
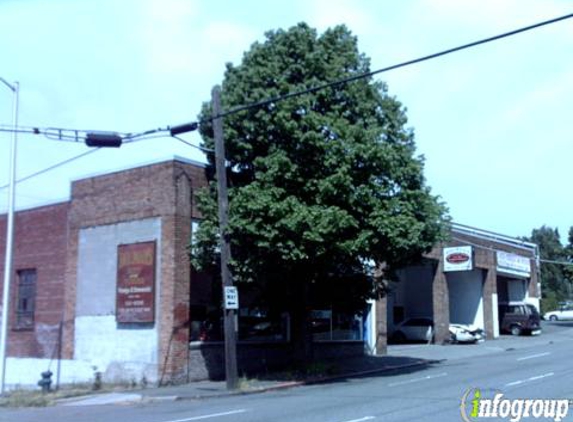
(495, 269)
(64, 290)
(40, 246)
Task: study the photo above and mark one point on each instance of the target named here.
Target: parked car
(519, 318)
(464, 333)
(414, 329)
(564, 313)
(422, 329)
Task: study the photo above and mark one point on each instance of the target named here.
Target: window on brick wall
(26, 302)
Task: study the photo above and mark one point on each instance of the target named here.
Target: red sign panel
(135, 298)
(457, 258)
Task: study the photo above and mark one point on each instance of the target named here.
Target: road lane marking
(212, 415)
(538, 377)
(429, 377)
(534, 356)
(365, 418)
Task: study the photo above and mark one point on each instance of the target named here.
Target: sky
(492, 122)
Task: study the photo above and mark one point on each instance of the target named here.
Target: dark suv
(519, 318)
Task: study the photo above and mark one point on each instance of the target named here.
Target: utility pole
(15, 88)
(223, 202)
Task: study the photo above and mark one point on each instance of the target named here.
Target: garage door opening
(466, 297)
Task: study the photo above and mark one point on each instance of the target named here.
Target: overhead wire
(55, 133)
(203, 149)
(489, 248)
(91, 151)
(53, 167)
(549, 261)
(62, 134)
(388, 68)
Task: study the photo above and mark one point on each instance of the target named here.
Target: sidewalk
(400, 358)
(464, 351)
(340, 369)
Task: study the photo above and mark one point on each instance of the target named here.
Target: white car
(464, 333)
(422, 329)
(563, 314)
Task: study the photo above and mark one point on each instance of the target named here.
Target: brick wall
(163, 190)
(484, 259)
(40, 243)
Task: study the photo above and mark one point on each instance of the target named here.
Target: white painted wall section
(495, 311)
(122, 353)
(24, 373)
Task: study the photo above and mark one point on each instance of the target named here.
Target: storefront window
(26, 302)
(328, 325)
(260, 325)
(253, 325)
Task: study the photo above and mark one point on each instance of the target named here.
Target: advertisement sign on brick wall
(135, 298)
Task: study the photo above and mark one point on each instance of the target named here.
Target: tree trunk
(301, 335)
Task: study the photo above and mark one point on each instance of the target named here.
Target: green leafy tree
(568, 269)
(321, 185)
(555, 284)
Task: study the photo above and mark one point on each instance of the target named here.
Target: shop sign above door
(512, 264)
(459, 258)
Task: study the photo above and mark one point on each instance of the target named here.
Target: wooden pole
(223, 202)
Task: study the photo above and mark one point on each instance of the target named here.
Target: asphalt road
(540, 371)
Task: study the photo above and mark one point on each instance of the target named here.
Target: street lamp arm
(13, 88)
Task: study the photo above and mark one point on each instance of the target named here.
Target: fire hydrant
(46, 381)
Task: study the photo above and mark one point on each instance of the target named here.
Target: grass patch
(320, 369)
(246, 384)
(36, 398)
(311, 371)
(25, 398)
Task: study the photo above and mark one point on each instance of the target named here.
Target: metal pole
(223, 202)
(9, 237)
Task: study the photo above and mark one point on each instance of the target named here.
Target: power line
(387, 69)
(75, 135)
(488, 248)
(54, 134)
(202, 149)
(91, 151)
(53, 167)
(78, 135)
(549, 261)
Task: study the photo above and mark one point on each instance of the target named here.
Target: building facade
(463, 281)
(102, 287)
(101, 282)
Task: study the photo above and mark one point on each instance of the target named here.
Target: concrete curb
(101, 399)
(293, 384)
(117, 398)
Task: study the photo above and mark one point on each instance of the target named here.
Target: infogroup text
(474, 407)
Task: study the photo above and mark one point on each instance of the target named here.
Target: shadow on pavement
(568, 324)
(355, 367)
